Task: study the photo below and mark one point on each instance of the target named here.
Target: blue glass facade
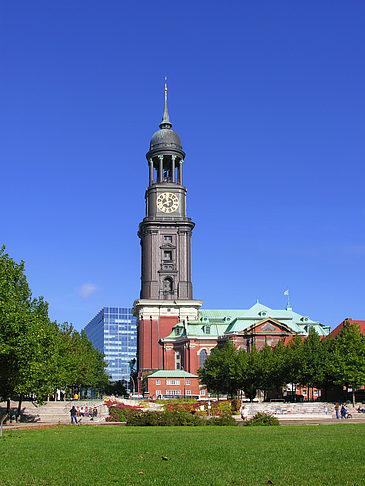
(114, 332)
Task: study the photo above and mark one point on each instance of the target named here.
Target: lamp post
(182, 369)
(131, 366)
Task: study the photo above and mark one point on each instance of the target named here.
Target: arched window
(202, 357)
(168, 285)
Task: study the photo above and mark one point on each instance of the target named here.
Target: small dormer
(262, 313)
(304, 319)
(178, 330)
(207, 329)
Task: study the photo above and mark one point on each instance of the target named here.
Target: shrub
(164, 418)
(181, 407)
(223, 420)
(120, 412)
(222, 407)
(176, 400)
(262, 418)
(235, 405)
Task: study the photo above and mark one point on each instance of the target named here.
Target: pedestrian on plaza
(76, 397)
(73, 415)
(243, 412)
(337, 410)
(343, 412)
(325, 410)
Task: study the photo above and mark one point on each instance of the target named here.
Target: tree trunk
(19, 407)
(8, 406)
(353, 397)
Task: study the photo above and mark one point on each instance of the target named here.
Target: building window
(177, 331)
(202, 357)
(167, 285)
(304, 393)
(158, 393)
(167, 255)
(172, 382)
(207, 330)
(177, 361)
(202, 393)
(188, 382)
(168, 238)
(158, 382)
(173, 392)
(188, 392)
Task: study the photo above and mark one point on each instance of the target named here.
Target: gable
(269, 326)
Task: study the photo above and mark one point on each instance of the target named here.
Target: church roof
(172, 374)
(221, 322)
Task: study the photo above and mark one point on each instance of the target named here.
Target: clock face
(167, 202)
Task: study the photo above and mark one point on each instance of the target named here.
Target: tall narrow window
(167, 255)
(202, 357)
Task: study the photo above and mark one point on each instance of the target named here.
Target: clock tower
(166, 289)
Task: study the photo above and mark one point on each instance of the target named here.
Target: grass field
(303, 455)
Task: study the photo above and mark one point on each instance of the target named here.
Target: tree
(294, 362)
(250, 372)
(348, 361)
(313, 361)
(279, 377)
(268, 368)
(26, 335)
(220, 372)
(36, 355)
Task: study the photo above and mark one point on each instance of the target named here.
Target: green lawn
(303, 455)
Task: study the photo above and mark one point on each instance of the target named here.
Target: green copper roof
(172, 374)
(220, 322)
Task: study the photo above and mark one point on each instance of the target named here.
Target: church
(174, 333)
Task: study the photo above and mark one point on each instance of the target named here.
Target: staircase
(315, 409)
(56, 412)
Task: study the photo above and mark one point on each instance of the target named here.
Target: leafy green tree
(26, 337)
(80, 364)
(294, 362)
(221, 370)
(279, 376)
(36, 356)
(250, 372)
(348, 360)
(313, 369)
(268, 367)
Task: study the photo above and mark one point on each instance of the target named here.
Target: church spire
(165, 118)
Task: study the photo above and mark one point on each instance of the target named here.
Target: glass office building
(114, 332)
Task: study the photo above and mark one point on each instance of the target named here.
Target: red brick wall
(166, 389)
(150, 354)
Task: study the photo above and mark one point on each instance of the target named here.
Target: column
(151, 171)
(180, 181)
(160, 170)
(173, 167)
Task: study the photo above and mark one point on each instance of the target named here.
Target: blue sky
(268, 99)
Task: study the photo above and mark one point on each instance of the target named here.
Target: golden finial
(165, 85)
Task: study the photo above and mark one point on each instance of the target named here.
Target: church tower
(166, 289)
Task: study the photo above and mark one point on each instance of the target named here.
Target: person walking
(337, 410)
(73, 415)
(243, 412)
